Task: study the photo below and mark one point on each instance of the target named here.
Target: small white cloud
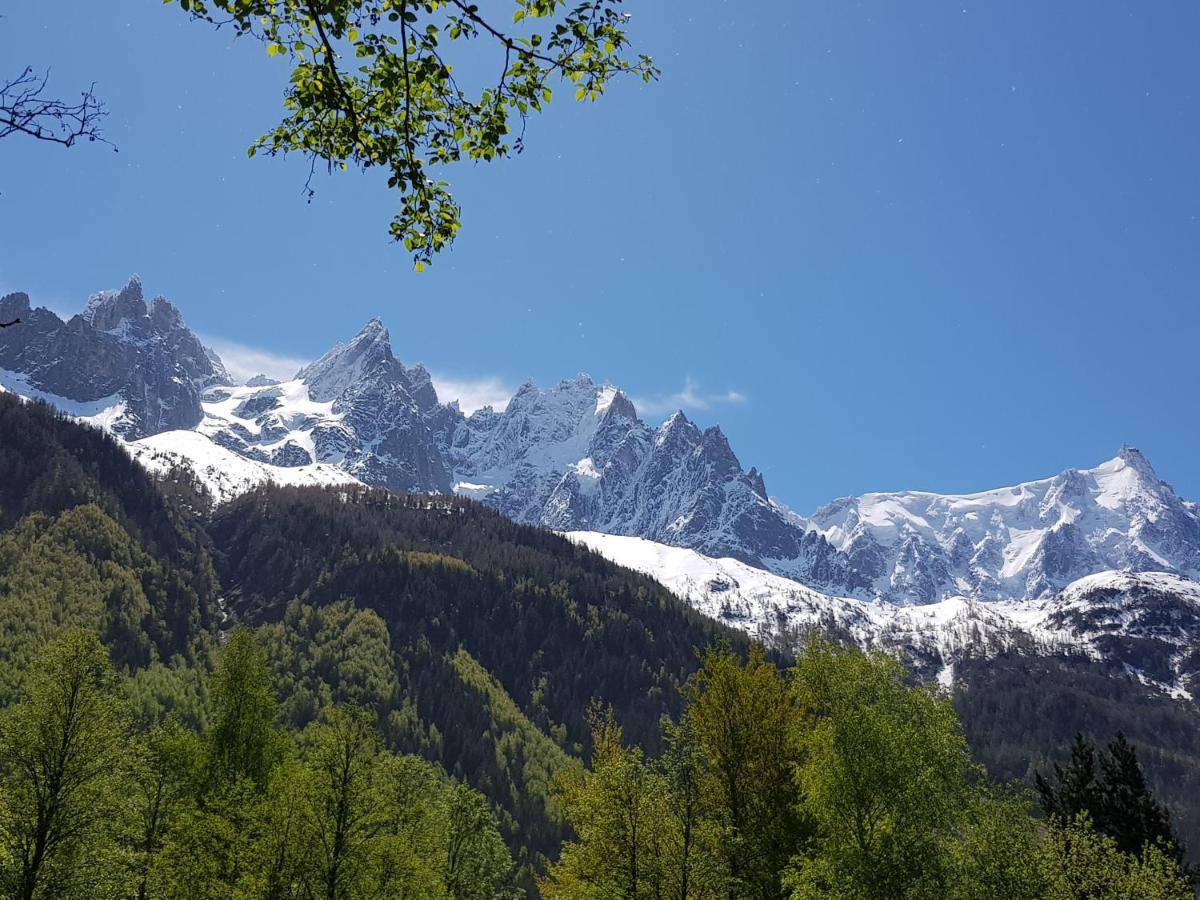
(244, 362)
(691, 397)
(472, 393)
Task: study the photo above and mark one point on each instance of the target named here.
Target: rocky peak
(718, 452)
(420, 385)
(14, 306)
(367, 355)
(676, 434)
(755, 478)
(619, 407)
(164, 315)
(146, 363)
(108, 309)
(1134, 459)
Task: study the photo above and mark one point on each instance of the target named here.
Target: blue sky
(944, 246)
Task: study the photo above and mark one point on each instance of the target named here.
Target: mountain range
(1072, 560)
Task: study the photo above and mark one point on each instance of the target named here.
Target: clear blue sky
(939, 245)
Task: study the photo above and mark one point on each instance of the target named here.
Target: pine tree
(1076, 788)
(1110, 788)
(1131, 815)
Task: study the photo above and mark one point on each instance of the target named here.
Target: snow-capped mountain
(577, 457)
(356, 409)
(1027, 541)
(135, 369)
(1148, 622)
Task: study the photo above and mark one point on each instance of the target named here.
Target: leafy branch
(372, 86)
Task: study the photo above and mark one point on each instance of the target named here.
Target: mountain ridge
(577, 457)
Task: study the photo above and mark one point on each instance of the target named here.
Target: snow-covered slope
(1147, 621)
(224, 473)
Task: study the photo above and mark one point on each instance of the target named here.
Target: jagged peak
(105, 310)
(678, 427)
(374, 332)
(368, 353)
(757, 484)
(614, 404)
(15, 304)
(164, 312)
(1136, 460)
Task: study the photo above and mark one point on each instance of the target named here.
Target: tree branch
(332, 68)
(24, 110)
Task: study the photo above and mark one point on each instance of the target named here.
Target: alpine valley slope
(1066, 560)
(1148, 623)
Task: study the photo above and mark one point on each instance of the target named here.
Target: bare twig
(23, 110)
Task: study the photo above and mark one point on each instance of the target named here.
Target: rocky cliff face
(577, 457)
(142, 360)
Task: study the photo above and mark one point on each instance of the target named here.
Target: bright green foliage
(243, 741)
(477, 864)
(343, 821)
(618, 811)
(1083, 864)
(63, 769)
(78, 569)
(210, 850)
(995, 849)
(885, 774)
(746, 724)
(377, 83)
(717, 816)
(52, 466)
(330, 655)
(166, 767)
(207, 787)
(337, 817)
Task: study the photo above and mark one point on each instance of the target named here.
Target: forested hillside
(1021, 713)
(480, 642)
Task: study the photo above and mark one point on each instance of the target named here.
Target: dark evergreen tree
(1110, 787)
(1076, 787)
(1133, 817)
